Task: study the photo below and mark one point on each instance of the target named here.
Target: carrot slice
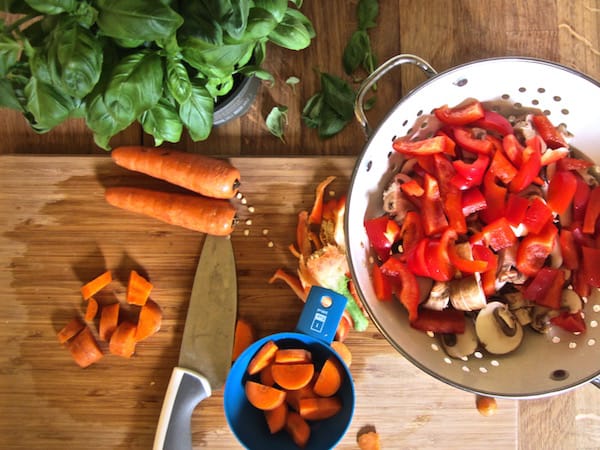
(319, 408)
(91, 310)
(292, 355)
(138, 289)
(122, 342)
(263, 357)
(263, 397)
(343, 351)
(70, 330)
(84, 348)
(244, 335)
(369, 441)
(293, 397)
(276, 418)
(92, 287)
(149, 320)
(109, 318)
(266, 376)
(329, 379)
(298, 429)
(292, 376)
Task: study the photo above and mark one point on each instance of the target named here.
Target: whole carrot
(207, 215)
(208, 176)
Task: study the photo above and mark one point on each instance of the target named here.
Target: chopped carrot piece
(149, 320)
(91, 309)
(319, 408)
(84, 348)
(263, 397)
(293, 376)
(298, 429)
(244, 335)
(96, 285)
(292, 355)
(329, 379)
(122, 342)
(293, 397)
(109, 318)
(343, 352)
(276, 418)
(266, 376)
(70, 330)
(369, 441)
(138, 289)
(263, 357)
(344, 327)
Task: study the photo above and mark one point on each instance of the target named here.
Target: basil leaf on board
(148, 20)
(9, 53)
(48, 105)
(338, 95)
(367, 12)
(52, 6)
(178, 80)
(197, 113)
(311, 112)
(276, 121)
(162, 122)
(356, 50)
(136, 85)
(331, 123)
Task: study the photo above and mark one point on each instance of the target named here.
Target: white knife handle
(186, 389)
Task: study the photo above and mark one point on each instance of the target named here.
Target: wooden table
(46, 403)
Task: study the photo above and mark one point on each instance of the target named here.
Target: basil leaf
(102, 121)
(219, 87)
(8, 96)
(277, 8)
(48, 105)
(338, 95)
(178, 80)
(260, 23)
(367, 12)
(213, 60)
(197, 113)
(9, 53)
(311, 113)
(148, 20)
(331, 123)
(258, 72)
(237, 19)
(302, 19)
(290, 33)
(162, 122)
(52, 6)
(356, 50)
(135, 85)
(276, 121)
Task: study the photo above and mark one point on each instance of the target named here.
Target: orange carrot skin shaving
(206, 215)
(208, 176)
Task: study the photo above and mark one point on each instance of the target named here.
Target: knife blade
(207, 344)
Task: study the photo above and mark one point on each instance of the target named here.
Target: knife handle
(185, 390)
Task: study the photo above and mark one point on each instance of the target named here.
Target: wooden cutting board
(57, 232)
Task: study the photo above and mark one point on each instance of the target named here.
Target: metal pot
(237, 102)
(543, 364)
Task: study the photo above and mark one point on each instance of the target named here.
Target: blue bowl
(248, 423)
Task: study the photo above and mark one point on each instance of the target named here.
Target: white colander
(544, 363)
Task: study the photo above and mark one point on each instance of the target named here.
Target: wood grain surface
(45, 411)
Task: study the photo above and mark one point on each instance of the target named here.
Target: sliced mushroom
(571, 301)
(466, 294)
(498, 329)
(540, 319)
(439, 296)
(520, 307)
(461, 345)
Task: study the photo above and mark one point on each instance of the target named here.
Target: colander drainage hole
(559, 375)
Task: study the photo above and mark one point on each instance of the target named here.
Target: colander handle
(390, 64)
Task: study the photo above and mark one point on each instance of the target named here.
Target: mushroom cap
(498, 329)
(463, 344)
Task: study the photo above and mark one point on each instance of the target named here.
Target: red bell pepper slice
(534, 249)
(580, 284)
(497, 234)
(495, 197)
(434, 220)
(568, 249)
(581, 199)
(409, 294)
(592, 211)
(451, 195)
(382, 232)
(542, 288)
(548, 132)
(591, 265)
(460, 115)
(493, 121)
(447, 321)
(561, 191)
(472, 172)
(381, 284)
(488, 278)
(430, 146)
(460, 263)
(537, 216)
(412, 231)
(573, 164)
(412, 188)
(516, 207)
(572, 322)
(438, 261)
(502, 168)
(472, 201)
(417, 259)
(465, 139)
(450, 144)
(528, 170)
(513, 149)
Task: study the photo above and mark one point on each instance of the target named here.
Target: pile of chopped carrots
(121, 335)
(293, 390)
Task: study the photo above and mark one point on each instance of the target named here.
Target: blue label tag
(321, 314)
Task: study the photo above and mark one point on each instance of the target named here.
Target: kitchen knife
(207, 344)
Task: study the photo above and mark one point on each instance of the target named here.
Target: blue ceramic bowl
(248, 423)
